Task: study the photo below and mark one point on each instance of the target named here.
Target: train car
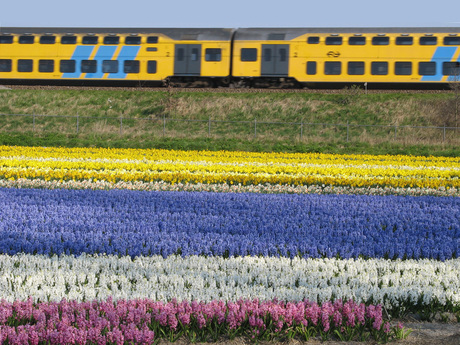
(392, 56)
(79, 55)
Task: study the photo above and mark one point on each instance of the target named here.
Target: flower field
(121, 246)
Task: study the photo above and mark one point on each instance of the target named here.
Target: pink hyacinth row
(145, 321)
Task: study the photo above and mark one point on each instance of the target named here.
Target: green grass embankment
(252, 121)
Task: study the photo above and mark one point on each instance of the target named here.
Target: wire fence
(163, 125)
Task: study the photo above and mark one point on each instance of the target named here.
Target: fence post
(301, 129)
(444, 134)
(121, 124)
(77, 123)
(255, 128)
(348, 130)
(33, 115)
(164, 124)
(395, 132)
(209, 127)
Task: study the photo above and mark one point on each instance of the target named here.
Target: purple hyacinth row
(145, 321)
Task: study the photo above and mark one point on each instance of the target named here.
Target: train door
(187, 60)
(275, 60)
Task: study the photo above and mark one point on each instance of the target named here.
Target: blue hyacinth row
(138, 223)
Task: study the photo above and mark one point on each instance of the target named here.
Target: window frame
(357, 39)
(137, 39)
(152, 64)
(70, 39)
(312, 66)
(380, 40)
(90, 40)
(331, 66)
(213, 54)
(44, 66)
(374, 65)
(69, 62)
(107, 40)
(8, 63)
(404, 41)
(334, 41)
(25, 62)
(400, 69)
(428, 41)
(6, 39)
(88, 64)
(131, 66)
(26, 39)
(362, 65)
(425, 63)
(47, 39)
(110, 66)
(247, 54)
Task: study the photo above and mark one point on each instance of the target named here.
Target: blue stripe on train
(442, 54)
(126, 53)
(80, 53)
(103, 53)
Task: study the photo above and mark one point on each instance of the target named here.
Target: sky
(230, 14)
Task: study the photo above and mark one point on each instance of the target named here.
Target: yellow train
(263, 57)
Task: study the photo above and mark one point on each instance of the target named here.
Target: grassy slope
(144, 112)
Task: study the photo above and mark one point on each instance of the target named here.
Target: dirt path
(424, 333)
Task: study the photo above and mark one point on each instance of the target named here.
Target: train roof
(225, 34)
(199, 34)
(291, 33)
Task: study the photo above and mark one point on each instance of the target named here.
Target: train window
(131, 66)
(403, 68)
(311, 67)
(110, 66)
(356, 68)
(194, 56)
(428, 41)
(248, 54)
(404, 41)
(180, 54)
(89, 40)
(267, 55)
(152, 39)
(427, 68)
(68, 39)
(47, 39)
(26, 39)
(46, 66)
(67, 66)
(451, 41)
(332, 67)
(313, 40)
(357, 41)
(88, 66)
(380, 41)
(132, 40)
(151, 66)
(213, 54)
(25, 65)
(333, 41)
(282, 54)
(6, 39)
(111, 40)
(5, 65)
(451, 68)
(379, 68)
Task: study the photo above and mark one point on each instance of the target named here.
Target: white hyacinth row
(226, 188)
(393, 283)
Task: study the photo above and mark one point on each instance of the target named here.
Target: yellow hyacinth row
(211, 167)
